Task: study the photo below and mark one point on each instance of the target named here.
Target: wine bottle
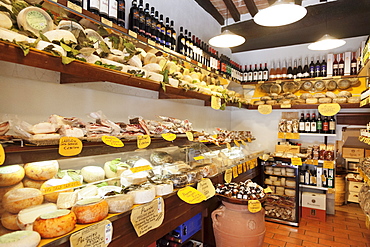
(278, 71)
(325, 125)
(159, 27)
(307, 126)
(313, 178)
(313, 123)
(332, 126)
(335, 66)
(163, 30)
(307, 176)
(121, 12)
(319, 124)
(250, 73)
(148, 22)
(260, 73)
(323, 70)
(284, 70)
(154, 22)
(318, 67)
(325, 180)
(190, 46)
(354, 64)
(265, 73)
(341, 65)
(113, 11)
(180, 48)
(299, 69)
(302, 128)
(290, 70)
(168, 34)
(104, 8)
(93, 6)
(141, 19)
(301, 176)
(272, 71)
(77, 2)
(312, 69)
(306, 70)
(134, 17)
(174, 38)
(295, 70)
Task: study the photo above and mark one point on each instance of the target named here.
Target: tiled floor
(344, 229)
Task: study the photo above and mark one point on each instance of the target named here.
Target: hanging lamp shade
(281, 13)
(226, 39)
(327, 42)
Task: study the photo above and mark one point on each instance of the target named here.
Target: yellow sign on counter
(191, 195)
(198, 158)
(143, 141)
(100, 234)
(206, 188)
(2, 155)
(69, 146)
(254, 206)
(281, 135)
(228, 175)
(169, 136)
(112, 141)
(267, 190)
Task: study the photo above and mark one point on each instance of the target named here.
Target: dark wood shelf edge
(306, 106)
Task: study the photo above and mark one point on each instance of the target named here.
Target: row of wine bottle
(319, 125)
(316, 176)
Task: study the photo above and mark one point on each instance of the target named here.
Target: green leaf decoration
(102, 184)
(65, 47)
(24, 46)
(44, 38)
(67, 60)
(223, 106)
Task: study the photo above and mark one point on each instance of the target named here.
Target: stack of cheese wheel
(38, 172)
(90, 210)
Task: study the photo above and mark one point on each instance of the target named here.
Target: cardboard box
(348, 152)
(314, 206)
(287, 149)
(189, 228)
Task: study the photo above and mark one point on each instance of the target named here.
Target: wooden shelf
(306, 106)
(313, 187)
(314, 134)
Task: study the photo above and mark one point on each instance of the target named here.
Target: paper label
(143, 141)
(2, 155)
(328, 164)
(285, 106)
(74, 7)
(51, 189)
(308, 162)
(198, 158)
(190, 136)
(296, 136)
(169, 136)
(261, 82)
(148, 216)
(289, 135)
(265, 109)
(98, 235)
(254, 206)
(267, 190)
(206, 188)
(329, 109)
(236, 143)
(106, 22)
(228, 176)
(69, 146)
(240, 168)
(166, 49)
(215, 102)
(235, 171)
(112, 141)
(151, 42)
(188, 59)
(140, 168)
(191, 195)
(296, 161)
(281, 135)
(228, 145)
(249, 139)
(243, 142)
(132, 33)
(200, 64)
(315, 162)
(245, 167)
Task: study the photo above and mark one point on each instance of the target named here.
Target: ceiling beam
(251, 6)
(232, 9)
(208, 6)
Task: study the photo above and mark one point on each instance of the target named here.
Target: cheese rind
(20, 239)
(42, 170)
(26, 217)
(92, 173)
(11, 175)
(18, 199)
(55, 224)
(90, 210)
(120, 203)
(9, 221)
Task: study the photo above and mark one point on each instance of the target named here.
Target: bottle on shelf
(187, 48)
(319, 124)
(272, 75)
(278, 71)
(335, 66)
(323, 69)
(260, 73)
(302, 128)
(295, 69)
(306, 70)
(104, 8)
(148, 22)
(307, 126)
(325, 125)
(121, 13)
(180, 48)
(265, 73)
(168, 34)
(313, 123)
(330, 180)
(162, 30)
(325, 179)
(113, 10)
(301, 176)
(318, 67)
(284, 70)
(332, 125)
(158, 28)
(77, 2)
(290, 70)
(134, 17)
(141, 19)
(341, 65)
(353, 64)
(312, 69)
(299, 69)
(313, 177)
(250, 73)
(154, 22)
(307, 176)
(255, 73)
(174, 38)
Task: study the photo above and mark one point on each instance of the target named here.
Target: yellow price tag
(315, 162)
(215, 136)
(265, 109)
(296, 161)
(289, 135)
(169, 136)
(143, 141)
(215, 102)
(191, 195)
(140, 168)
(309, 162)
(151, 42)
(2, 155)
(198, 158)
(190, 136)
(131, 33)
(240, 168)
(296, 136)
(112, 141)
(228, 176)
(249, 139)
(228, 145)
(51, 189)
(329, 109)
(285, 106)
(245, 167)
(75, 7)
(328, 164)
(281, 135)
(106, 22)
(254, 206)
(236, 143)
(235, 171)
(267, 190)
(243, 142)
(206, 188)
(69, 146)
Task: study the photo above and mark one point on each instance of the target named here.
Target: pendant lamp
(227, 38)
(327, 42)
(282, 12)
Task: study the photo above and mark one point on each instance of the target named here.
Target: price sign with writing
(132, 34)
(215, 102)
(190, 136)
(143, 141)
(289, 135)
(240, 168)
(228, 176)
(235, 171)
(254, 206)
(2, 155)
(296, 136)
(285, 106)
(112, 141)
(328, 164)
(70, 146)
(198, 158)
(169, 136)
(100, 234)
(75, 7)
(267, 190)
(51, 189)
(281, 135)
(329, 109)
(296, 161)
(191, 195)
(315, 162)
(309, 162)
(265, 109)
(236, 143)
(206, 188)
(140, 168)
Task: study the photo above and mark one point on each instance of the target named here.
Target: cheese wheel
(92, 173)
(42, 170)
(11, 175)
(55, 224)
(20, 239)
(163, 189)
(53, 197)
(66, 200)
(3, 190)
(119, 203)
(90, 210)
(26, 217)
(143, 195)
(3, 230)
(9, 221)
(311, 101)
(30, 183)
(18, 199)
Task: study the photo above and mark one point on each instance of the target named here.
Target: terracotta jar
(234, 225)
